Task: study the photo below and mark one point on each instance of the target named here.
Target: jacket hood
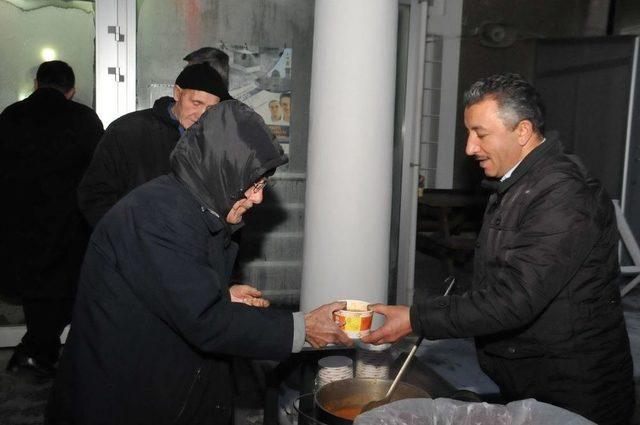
(225, 152)
(161, 110)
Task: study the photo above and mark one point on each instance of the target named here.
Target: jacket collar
(212, 219)
(48, 92)
(161, 110)
(551, 145)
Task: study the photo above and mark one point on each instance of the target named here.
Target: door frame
(411, 151)
(115, 58)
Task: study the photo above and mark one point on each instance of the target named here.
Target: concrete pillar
(348, 193)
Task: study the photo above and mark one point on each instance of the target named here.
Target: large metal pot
(340, 402)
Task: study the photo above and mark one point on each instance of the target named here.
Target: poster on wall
(259, 77)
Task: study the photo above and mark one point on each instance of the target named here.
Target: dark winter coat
(154, 331)
(135, 149)
(545, 306)
(46, 143)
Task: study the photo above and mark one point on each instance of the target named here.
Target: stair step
(280, 279)
(272, 240)
(285, 188)
(272, 246)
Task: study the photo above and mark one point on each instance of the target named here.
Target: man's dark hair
(517, 99)
(283, 95)
(216, 58)
(57, 75)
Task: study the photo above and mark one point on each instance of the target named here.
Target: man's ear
(524, 130)
(36, 86)
(70, 93)
(177, 93)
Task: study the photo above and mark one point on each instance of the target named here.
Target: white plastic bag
(445, 411)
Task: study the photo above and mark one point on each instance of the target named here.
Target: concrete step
(270, 255)
(272, 246)
(285, 188)
(278, 280)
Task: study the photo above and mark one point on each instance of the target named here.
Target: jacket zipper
(186, 400)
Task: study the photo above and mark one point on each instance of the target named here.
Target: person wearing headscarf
(154, 328)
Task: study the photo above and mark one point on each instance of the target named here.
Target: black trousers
(45, 320)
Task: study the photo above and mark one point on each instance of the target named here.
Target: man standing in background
(136, 147)
(46, 144)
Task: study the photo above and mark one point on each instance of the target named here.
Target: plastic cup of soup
(355, 321)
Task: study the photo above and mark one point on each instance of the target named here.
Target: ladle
(387, 398)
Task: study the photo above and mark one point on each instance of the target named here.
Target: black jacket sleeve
(92, 133)
(179, 284)
(101, 187)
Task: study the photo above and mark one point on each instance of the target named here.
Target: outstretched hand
(397, 324)
(247, 294)
(320, 329)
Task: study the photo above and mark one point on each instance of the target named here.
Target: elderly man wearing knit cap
(216, 58)
(135, 148)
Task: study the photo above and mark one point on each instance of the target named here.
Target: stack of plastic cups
(372, 361)
(333, 368)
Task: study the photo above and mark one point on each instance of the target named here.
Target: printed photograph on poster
(261, 78)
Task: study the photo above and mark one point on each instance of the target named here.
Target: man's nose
(472, 147)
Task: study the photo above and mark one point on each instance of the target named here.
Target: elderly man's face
(491, 143)
(191, 104)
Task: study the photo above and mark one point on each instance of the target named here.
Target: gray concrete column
(348, 193)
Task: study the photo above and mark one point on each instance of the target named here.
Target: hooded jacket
(135, 149)
(545, 304)
(222, 157)
(154, 330)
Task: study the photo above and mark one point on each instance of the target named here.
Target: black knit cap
(202, 77)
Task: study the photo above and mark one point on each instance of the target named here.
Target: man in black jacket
(544, 306)
(154, 329)
(135, 148)
(46, 144)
